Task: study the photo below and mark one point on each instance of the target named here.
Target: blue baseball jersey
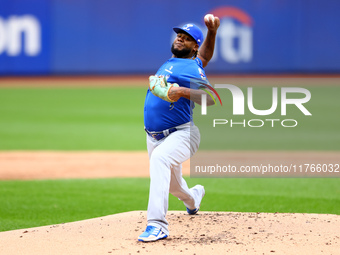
(159, 114)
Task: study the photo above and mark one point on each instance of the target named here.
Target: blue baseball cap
(193, 30)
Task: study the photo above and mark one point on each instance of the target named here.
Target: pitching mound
(205, 233)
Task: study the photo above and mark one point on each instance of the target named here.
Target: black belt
(160, 135)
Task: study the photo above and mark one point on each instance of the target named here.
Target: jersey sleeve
(193, 76)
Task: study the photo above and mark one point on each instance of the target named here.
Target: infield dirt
(27, 165)
(204, 233)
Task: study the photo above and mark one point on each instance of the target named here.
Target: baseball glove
(160, 88)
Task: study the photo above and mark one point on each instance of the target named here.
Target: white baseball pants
(166, 157)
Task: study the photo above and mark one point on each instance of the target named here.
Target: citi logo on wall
(235, 35)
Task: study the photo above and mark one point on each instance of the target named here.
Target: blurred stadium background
(87, 37)
(117, 44)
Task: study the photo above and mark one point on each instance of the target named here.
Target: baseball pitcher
(172, 136)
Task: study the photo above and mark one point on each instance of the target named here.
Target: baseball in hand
(209, 17)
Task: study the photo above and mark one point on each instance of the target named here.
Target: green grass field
(112, 119)
(34, 203)
(72, 119)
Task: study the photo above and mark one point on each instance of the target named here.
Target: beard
(180, 53)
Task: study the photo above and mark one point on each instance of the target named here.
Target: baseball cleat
(152, 234)
(194, 211)
(201, 192)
